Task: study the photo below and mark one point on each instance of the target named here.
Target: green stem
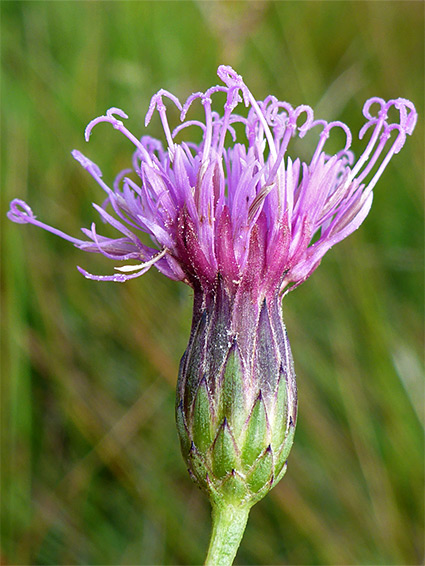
(228, 526)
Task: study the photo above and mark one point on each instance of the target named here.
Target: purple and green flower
(243, 223)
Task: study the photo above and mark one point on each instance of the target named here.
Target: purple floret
(246, 211)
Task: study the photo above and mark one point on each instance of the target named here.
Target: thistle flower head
(241, 222)
(246, 211)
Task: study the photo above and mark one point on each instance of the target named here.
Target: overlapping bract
(200, 203)
(236, 404)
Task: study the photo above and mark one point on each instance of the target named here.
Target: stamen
(267, 132)
(378, 123)
(206, 101)
(188, 104)
(93, 169)
(156, 102)
(88, 165)
(93, 234)
(117, 225)
(121, 177)
(117, 124)
(231, 78)
(118, 278)
(181, 127)
(397, 145)
(325, 135)
(405, 126)
(21, 213)
(129, 268)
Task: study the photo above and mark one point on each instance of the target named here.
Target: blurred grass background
(91, 469)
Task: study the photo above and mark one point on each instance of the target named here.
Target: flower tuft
(206, 206)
